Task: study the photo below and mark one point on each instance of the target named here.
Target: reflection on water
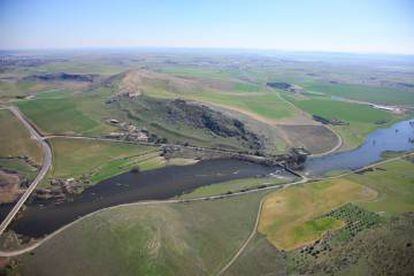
(398, 137)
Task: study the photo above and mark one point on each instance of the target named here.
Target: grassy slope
(15, 139)
(180, 239)
(395, 184)
(259, 258)
(381, 250)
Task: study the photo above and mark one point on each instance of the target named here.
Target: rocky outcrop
(201, 116)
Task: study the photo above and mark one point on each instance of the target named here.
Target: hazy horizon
(366, 27)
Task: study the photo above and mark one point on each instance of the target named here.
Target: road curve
(47, 162)
(334, 149)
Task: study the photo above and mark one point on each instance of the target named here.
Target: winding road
(47, 163)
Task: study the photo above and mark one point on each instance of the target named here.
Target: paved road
(47, 162)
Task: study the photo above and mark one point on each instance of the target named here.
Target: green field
(349, 112)
(362, 119)
(64, 113)
(395, 183)
(96, 159)
(378, 95)
(267, 105)
(196, 72)
(15, 139)
(175, 239)
(10, 90)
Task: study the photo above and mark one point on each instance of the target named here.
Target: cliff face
(201, 116)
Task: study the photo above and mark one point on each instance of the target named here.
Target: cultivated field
(290, 217)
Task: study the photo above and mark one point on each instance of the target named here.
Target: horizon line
(143, 47)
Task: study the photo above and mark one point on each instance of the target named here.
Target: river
(38, 220)
(397, 138)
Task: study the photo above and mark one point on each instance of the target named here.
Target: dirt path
(334, 149)
(253, 233)
(304, 180)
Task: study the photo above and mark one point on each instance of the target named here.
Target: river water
(164, 183)
(396, 138)
(168, 182)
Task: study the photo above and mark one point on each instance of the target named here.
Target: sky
(363, 26)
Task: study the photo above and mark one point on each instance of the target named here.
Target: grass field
(365, 93)
(62, 112)
(15, 139)
(176, 239)
(395, 183)
(362, 119)
(259, 258)
(10, 90)
(196, 72)
(98, 159)
(267, 105)
(289, 217)
(234, 186)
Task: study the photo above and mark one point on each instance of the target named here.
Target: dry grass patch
(315, 138)
(289, 217)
